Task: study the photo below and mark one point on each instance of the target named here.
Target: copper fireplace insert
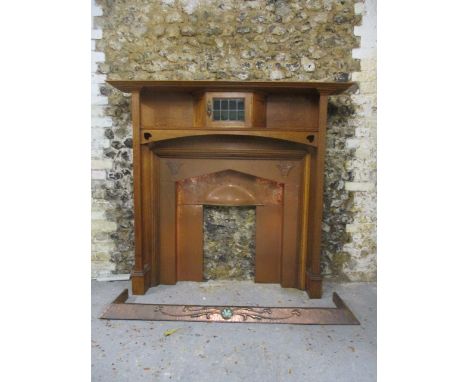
(225, 143)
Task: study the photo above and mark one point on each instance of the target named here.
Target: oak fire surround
(226, 143)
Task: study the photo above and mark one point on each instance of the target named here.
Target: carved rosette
(285, 168)
(174, 167)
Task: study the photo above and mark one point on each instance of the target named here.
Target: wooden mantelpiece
(229, 143)
(267, 86)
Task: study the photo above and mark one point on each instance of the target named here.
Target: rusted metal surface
(340, 315)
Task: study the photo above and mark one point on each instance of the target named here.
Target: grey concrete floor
(139, 350)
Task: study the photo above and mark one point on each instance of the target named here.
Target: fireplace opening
(229, 242)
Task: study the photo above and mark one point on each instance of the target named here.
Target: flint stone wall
(239, 40)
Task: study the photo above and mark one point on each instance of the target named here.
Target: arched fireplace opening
(229, 242)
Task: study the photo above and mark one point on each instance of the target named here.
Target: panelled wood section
(189, 243)
(268, 244)
(167, 226)
(279, 146)
(297, 111)
(259, 102)
(154, 107)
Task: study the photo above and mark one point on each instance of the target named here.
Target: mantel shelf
(266, 86)
(245, 130)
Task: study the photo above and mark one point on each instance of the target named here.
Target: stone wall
(102, 245)
(229, 243)
(360, 250)
(240, 40)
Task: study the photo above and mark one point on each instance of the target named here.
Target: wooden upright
(198, 143)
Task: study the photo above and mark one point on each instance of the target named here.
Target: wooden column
(313, 276)
(189, 242)
(140, 282)
(305, 221)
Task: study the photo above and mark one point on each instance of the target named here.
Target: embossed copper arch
(229, 188)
